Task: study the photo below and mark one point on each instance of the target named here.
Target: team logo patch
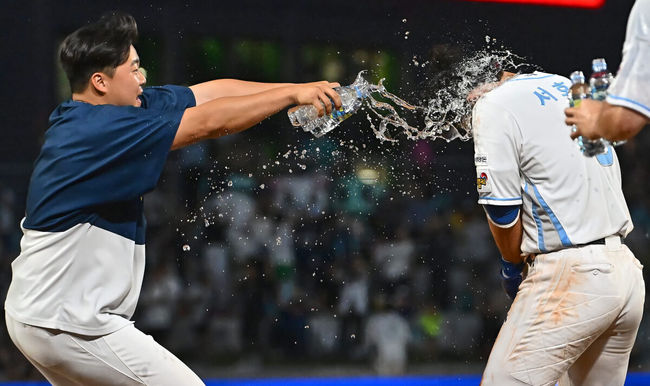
(480, 159)
(483, 181)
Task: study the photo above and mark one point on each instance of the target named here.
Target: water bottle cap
(577, 77)
(599, 65)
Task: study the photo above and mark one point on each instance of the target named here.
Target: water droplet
(186, 248)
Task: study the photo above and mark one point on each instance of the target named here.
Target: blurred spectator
(387, 334)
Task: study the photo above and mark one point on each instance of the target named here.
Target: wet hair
(100, 46)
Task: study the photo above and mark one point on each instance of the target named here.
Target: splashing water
(447, 113)
(387, 114)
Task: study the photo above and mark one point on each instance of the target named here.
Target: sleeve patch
(483, 181)
(480, 159)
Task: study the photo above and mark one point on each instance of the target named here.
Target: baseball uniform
(77, 279)
(630, 87)
(580, 305)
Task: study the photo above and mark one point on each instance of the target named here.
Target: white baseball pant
(575, 317)
(124, 357)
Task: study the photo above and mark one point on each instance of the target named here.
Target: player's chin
(137, 102)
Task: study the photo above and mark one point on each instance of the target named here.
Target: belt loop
(613, 242)
(530, 259)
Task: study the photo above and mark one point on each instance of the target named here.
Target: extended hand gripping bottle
(352, 97)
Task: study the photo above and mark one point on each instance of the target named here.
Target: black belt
(530, 258)
(598, 242)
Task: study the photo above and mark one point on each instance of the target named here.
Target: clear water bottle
(600, 79)
(352, 97)
(579, 89)
(598, 84)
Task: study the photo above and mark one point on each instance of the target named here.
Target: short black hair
(100, 46)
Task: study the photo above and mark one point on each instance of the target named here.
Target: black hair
(100, 46)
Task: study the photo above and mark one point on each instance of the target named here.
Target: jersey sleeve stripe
(630, 103)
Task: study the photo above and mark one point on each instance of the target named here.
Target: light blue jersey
(524, 156)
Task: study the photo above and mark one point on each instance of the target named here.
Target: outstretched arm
(595, 119)
(207, 91)
(228, 115)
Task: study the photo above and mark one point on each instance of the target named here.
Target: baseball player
(627, 109)
(559, 220)
(77, 279)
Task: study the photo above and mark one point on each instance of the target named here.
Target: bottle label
(340, 115)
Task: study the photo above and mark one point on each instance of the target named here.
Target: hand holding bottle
(584, 118)
(348, 100)
(321, 95)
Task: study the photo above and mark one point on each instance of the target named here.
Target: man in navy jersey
(77, 280)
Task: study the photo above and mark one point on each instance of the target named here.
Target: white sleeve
(631, 87)
(497, 140)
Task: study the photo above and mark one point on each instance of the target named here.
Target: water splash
(446, 113)
(387, 114)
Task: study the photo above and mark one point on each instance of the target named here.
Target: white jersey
(631, 87)
(84, 280)
(524, 156)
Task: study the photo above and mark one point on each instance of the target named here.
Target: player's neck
(90, 96)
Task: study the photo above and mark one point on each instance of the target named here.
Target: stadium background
(273, 254)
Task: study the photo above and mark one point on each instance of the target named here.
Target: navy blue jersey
(98, 160)
(82, 256)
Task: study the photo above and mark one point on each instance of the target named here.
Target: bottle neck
(361, 90)
(599, 74)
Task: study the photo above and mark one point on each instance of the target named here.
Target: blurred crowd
(263, 252)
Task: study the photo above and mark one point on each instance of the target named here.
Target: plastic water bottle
(599, 83)
(600, 79)
(579, 89)
(352, 97)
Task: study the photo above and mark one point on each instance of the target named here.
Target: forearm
(229, 115)
(207, 91)
(618, 123)
(508, 240)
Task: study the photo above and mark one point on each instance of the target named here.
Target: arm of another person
(228, 115)
(595, 119)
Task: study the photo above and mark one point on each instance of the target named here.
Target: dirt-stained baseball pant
(124, 357)
(575, 317)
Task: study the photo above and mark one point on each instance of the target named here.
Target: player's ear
(98, 81)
